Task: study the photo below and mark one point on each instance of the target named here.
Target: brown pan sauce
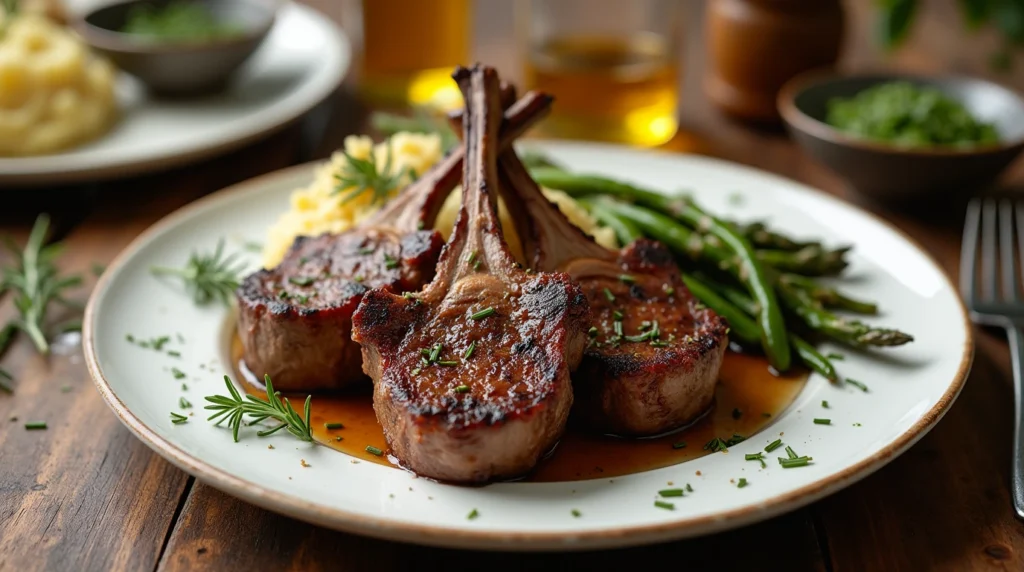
(749, 396)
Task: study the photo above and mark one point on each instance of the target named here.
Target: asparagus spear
(808, 261)
(829, 297)
(757, 233)
(850, 331)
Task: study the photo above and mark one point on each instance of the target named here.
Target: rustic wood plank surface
(86, 495)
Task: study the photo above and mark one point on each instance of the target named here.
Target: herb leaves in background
(358, 176)
(896, 17)
(35, 282)
(208, 277)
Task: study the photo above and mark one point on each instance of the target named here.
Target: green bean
(625, 231)
(740, 324)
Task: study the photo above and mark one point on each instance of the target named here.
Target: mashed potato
(53, 93)
(317, 208)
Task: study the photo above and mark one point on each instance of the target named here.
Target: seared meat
(471, 377)
(652, 363)
(295, 320)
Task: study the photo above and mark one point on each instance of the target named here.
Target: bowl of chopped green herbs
(179, 47)
(900, 137)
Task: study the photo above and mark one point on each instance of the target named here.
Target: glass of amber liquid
(612, 66)
(409, 50)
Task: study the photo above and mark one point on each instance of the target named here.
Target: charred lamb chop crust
(653, 360)
(295, 320)
(471, 377)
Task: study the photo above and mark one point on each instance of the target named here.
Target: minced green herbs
(178, 21)
(905, 114)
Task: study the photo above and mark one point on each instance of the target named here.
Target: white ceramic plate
(301, 62)
(910, 388)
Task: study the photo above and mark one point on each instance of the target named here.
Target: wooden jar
(755, 46)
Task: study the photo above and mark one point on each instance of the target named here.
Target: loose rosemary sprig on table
(207, 277)
(233, 408)
(34, 282)
(358, 176)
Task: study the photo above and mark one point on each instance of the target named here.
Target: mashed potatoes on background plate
(318, 208)
(54, 93)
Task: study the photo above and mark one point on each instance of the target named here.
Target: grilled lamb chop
(655, 353)
(471, 377)
(295, 320)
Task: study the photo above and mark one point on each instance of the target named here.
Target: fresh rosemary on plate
(208, 277)
(34, 281)
(233, 408)
(358, 176)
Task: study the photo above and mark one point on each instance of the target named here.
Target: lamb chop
(295, 320)
(471, 377)
(653, 360)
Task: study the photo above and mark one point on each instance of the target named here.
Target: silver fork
(993, 295)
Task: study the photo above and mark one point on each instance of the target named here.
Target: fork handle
(1015, 336)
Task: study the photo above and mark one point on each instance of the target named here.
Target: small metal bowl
(894, 174)
(176, 68)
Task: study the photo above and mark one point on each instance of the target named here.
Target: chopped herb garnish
(366, 250)
(773, 445)
(462, 389)
(836, 357)
(797, 462)
(178, 418)
(183, 403)
(715, 445)
(471, 258)
(358, 278)
(390, 262)
(174, 353)
(679, 445)
(857, 384)
(472, 514)
(415, 371)
(447, 362)
(824, 404)
(627, 278)
(756, 457)
(576, 513)
(856, 425)
(664, 505)
(177, 373)
(819, 421)
(617, 316)
(735, 439)
(617, 326)
(476, 266)
(742, 483)
(469, 350)
(208, 277)
(670, 492)
(435, 352)
(333, 425)
(374, 450)
(301, 280)
(592, 332)
(37, 425)
(689, 489)
(792, 454)
(483, 313)
(669, 290)
(608, 294)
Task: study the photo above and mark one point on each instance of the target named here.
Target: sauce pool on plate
(748, 398)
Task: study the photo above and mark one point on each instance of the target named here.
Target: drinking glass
(409, 48)
(612, 66)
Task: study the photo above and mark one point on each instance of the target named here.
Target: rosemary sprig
(207, 277)
(358, 176)
(233, 408)
(35, 282)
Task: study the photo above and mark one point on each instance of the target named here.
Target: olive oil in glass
(615, 79)
(410, 48)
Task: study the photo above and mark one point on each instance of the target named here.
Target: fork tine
(969, 250)
(989, 270)
(1006, 250)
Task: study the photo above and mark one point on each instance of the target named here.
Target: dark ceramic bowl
(894, 174)
(179, 68)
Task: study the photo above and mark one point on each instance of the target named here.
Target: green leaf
(976, 12)
(895, 21)
(1008, 15)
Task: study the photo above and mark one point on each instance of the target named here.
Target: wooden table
(86, 495)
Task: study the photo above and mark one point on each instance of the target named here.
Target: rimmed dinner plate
(909, 388)
(302, 60)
